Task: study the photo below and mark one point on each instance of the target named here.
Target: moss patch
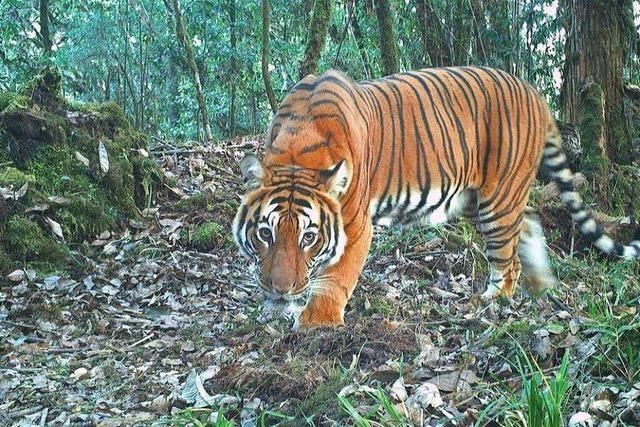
(593, 162)
(199, 202)
(26, 241)
(624, 192)
(207, 236)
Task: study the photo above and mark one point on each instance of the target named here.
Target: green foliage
(384, 412)
(117, 51)
(199, 202)
(540, 402)
(15, 178)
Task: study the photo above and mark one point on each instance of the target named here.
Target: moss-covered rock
(47, 141)
(207, 236)
(25, 240)
(14, 178)
(199, 202)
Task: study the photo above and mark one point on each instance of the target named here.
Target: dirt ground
(162, 323)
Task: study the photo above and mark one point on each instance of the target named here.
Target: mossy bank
(82, 166)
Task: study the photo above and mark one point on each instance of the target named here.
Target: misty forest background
(196, 69)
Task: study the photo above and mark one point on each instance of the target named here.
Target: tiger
(424, 146)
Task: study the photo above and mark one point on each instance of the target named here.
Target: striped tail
(555, 161)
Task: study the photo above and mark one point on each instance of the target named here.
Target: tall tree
(387, 37)
(45, 35)
(478, 12)
(190, 55)
(320, 18)
(431, 31)
(592, 91)
(357, 35)
(266, 77)
(234, 65)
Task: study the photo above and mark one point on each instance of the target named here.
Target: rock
(16, 276)
(160, 404)
(80, 374)
(581, 419)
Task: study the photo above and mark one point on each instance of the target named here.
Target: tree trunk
(234, 66)
(44, 27)
(266, 77)
(387, 37)
(515, 37)
(318, 28)
(432, 34)
(357, 35)
(478, 10)
(498, 14)
(193, 67)
(595, 56)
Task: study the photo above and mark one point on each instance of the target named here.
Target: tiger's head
(290, 224)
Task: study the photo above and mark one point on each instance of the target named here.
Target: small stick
(140, 341)
(25, 412)
(43, 417)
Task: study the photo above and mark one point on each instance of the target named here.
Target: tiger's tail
(555, 161)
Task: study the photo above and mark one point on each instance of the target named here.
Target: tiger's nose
(281, 287)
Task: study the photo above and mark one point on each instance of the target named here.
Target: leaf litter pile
(165, 325)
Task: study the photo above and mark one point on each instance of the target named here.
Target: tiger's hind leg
(536, 273)
(501, 227)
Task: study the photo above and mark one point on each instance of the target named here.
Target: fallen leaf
(80, 374)
(543, 347)
(194, 392)
(160, 404)
(104, 157)
(398, 390)
(58, 200)
(454, 381)
(424, 397)
(82, 159)
(43, 207)
(602, 405)
(55, 227)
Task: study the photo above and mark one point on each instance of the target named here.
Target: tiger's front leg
(330, 294)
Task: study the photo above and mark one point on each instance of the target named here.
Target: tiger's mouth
(285, 298)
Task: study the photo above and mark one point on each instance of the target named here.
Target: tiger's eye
(308, 237)
(265, 234)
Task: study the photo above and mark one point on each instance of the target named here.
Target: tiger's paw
(316, 315)
(491, 293)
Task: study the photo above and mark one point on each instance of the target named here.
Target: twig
(43, 417)
(559, 304)
(178, 152)
(25, 412)
(140, 341)
(59, 350)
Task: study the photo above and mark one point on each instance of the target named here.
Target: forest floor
(163, 325)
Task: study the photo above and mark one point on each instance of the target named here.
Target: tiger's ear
(252, 171)
(336, 179)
